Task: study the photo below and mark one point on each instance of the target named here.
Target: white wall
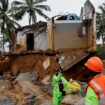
(40, 40)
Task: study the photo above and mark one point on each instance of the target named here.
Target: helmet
(94, 64)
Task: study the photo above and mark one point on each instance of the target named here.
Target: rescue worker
(59, 83)
(95, 94)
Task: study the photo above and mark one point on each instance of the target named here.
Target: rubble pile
(24, 90)
(26, 79)
(28, 89)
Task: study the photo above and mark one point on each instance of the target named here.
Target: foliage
(30, 7)
(6, 23)
(100, 20)
(101, 51)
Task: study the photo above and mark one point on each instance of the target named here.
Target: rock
(33, 90)
(7, 101)
(48, 89)
(29, 76)
(28, 88)
(81, 102)
(46, 80)
(5, 84)
(71, 99)
(46, 102)
(30, 100)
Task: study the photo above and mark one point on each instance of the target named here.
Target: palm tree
(100, 20)
(7, 25)
(31, 7)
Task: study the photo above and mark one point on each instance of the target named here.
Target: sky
(64, 6)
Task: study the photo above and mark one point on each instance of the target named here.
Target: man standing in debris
(58, 83)
(96, 87)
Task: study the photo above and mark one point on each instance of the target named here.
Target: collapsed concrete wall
(28, 62)
(44, 63)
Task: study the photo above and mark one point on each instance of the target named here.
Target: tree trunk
(13, 39)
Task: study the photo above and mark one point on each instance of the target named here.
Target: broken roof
(33, 26)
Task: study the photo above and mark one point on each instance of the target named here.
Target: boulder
(5, 84)
(29, 76)
(71, 99)
(4, 100)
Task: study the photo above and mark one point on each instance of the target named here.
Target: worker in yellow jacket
(58, 82)
(63, 87)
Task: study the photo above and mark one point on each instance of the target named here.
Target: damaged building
(38, 47)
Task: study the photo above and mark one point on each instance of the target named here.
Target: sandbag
(72, 87)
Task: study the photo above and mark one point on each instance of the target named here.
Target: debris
(45, 81)
(81, 102)
(29, 76)
(30, 100)
(46, 63)
(46, 102)
(71, 99)
(48, 89)
(5, 84)
(7, 101)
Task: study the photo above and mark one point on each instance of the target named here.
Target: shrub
(101, 51)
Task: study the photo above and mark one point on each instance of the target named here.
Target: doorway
(30, 41)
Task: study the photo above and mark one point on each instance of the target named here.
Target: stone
(71, 99)
(29, 76)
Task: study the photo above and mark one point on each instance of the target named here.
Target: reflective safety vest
(98, 84)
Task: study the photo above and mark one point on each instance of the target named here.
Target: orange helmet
(94, 64)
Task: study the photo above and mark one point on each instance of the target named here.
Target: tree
(100, 20)
(7, 25)
(30, 7)
(101, 51)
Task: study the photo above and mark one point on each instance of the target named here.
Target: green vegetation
(7, 25)
(100, 25)
(101, 51)
(30, 7)
(100, 20)
(16, 11)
